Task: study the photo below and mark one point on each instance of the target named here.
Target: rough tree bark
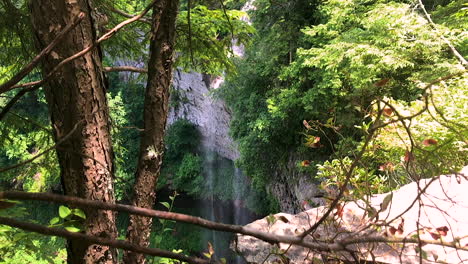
(155, 114)
(76, 95)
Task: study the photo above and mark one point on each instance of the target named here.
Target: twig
(15, 99)
(105, 37)
(326, 246)
(30, 66)
(125, 68)
(344, 185)
(127, 15)
(60, 141)
(189, 7)
(50, 231)
(227, 19)
(452, 48)
(32, 122)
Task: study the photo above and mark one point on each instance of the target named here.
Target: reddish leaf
(392, 230)
(306, 124)
(387, 111)
(313, 142)
(434, 235)
(388, 166)
(400, 226)
(408, 156)
(305, 163)
(443, 230)
(382, 82)
(429, 142)
(210, 248)
(339, 210)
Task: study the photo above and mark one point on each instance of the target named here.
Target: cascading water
(226, 189)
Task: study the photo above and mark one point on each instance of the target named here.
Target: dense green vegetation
(327, 69)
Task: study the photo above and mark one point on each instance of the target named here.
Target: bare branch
(15, 99)
(127, 15)
(343, 187)
(189, 22)
(30, 66)
(105, 37)
(452, 48)
(99, 240)
(60, 141)
(325, 246)
(125, 68)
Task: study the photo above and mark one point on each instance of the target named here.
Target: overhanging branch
(49, 231)
(320, 246)
(125, 68)
(30, 66)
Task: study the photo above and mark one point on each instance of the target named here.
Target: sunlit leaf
(64, 211)
(73, 229)
(54, 221)
(166, 204)
(78, 212)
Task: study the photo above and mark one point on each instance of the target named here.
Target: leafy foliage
(354, 53)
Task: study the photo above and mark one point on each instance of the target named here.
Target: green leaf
(166, 204)
(64, 211)
(386, 202)
(168, 230)
(73, 229)
(157, 240)
(4, 228)
(54, 221)
(78, 212)
(271, 219)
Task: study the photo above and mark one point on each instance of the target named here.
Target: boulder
(437, 207)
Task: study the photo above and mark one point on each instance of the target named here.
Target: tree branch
(30, 66)
(105, 37)
(343, 187)
(15, 99)
(125, 68)
(127, 15)
(324, 246)
(50, 231)
(60, 141)
(452, 48)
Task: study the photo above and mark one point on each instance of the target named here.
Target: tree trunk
(76, 97)
(155, 115)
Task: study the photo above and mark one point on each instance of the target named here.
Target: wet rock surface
(192, 99)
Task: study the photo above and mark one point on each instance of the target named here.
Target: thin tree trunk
(76, 95)
(155, 115)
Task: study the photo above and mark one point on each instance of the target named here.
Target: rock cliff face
(294, 190)
(192, 99)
